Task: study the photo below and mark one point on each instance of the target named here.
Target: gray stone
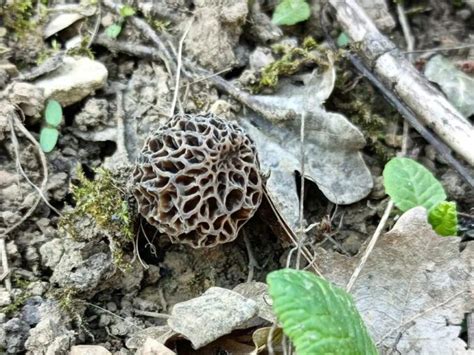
(5, 298)
(213, 314)
(51, 252)
(16, 333)
(30, 312)
(260, 57)
(52, 334)
(74, 80)
(89, 350)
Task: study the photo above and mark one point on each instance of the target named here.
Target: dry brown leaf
(415, 288)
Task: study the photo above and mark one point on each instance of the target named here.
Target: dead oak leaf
(414, 290)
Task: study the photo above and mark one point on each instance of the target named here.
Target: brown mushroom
(198, 180)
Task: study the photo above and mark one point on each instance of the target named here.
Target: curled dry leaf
(414, 289)
(332, 144)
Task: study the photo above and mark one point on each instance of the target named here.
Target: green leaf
(444, 219)
(318, 317)
(410, 184)
(113, 30)
(289, 12)
(48, 138)
(53, 113)
(126, 11)
(342, 40)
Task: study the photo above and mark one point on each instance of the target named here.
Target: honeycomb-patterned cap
(198, 180)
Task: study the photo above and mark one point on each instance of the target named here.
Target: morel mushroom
(198, 180)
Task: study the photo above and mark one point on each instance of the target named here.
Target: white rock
(74, 80)
(5, 299)
(154, 347)
(61, 22)
(89, 350)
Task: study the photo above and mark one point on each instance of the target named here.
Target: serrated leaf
(53, 113)
(113, 30)
(444, 219)
(410, 184)
(318, 317)
(289, 12)
(127, 11)
(48, 138)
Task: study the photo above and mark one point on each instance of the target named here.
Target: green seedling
(290, 12)
(53, 115)
(113, 31)
(317, 316)
(409, 184)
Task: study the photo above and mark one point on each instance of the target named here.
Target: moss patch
(105, 202)
(292, 60)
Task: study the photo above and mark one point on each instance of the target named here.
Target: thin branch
(178, 68)
(301, 233)
(440, 49)
(151, 314)
(409, 39)
(371, 246)
(149, 33)
(95, 31)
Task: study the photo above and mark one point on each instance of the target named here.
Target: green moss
(83, 49)
(17, 16)
(20, 300)
(358, 100)
(158, 25)
(105, 202)
(292, 60)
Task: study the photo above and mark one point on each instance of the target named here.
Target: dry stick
(440, 49)
(430, 106)
(13, 120)
(145, 28)
(416, 316)
(470, 330)
(301, 232)
(407, 113)
(178, 68)
(95, 31)
(409, 39)
(151, 314)
(389, 207)
(371, 245)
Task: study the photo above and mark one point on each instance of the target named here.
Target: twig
(252, 261)
(470, 330)
(119, 116)
(149, 33)
(420, 315)
(5, 268)
(409, 39)
(178, 68)
(49, 65)
(13, 120)
(109, 312)
(151, 314)
(404, 110)
(95, 31)
(370, 247)
(440, 49)
(301, 232)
